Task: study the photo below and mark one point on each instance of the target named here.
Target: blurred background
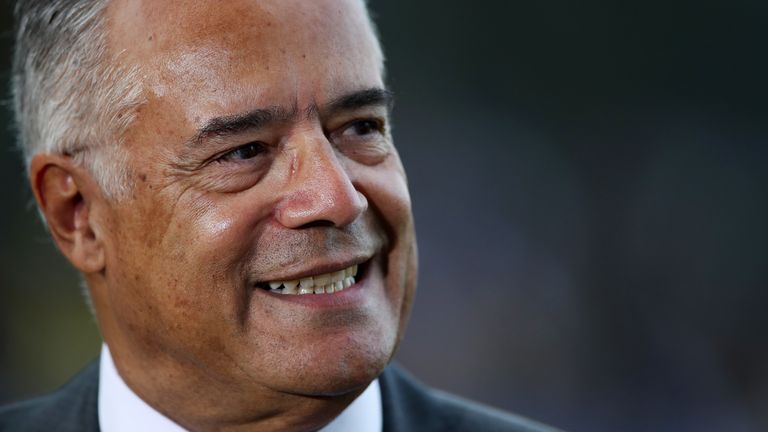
(590, 189)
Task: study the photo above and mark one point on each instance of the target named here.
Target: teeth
(326, 283)
(290, 287)
(323, 279)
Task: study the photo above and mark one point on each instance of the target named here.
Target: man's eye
(247, 151)
(363, 127)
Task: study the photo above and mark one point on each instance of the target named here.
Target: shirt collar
(121, 410)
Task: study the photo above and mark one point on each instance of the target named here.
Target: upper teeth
(326, 283)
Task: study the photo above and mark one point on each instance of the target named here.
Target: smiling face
(262, 156)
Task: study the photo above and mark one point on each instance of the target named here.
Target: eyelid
(228, 155)
(379, 124)
(369, 148)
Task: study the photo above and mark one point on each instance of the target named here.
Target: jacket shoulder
(412, 406)
(73, 407)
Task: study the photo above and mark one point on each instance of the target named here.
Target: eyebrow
(224, 126)
(362, 99)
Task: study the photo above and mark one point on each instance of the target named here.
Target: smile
(326, 283)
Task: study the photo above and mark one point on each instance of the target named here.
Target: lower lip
(351, 296)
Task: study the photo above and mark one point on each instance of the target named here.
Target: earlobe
(65, 195)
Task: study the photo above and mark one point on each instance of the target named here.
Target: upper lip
(316, 269)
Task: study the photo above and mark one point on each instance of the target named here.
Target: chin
(336, 371)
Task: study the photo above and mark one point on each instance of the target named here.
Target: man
(223, 176)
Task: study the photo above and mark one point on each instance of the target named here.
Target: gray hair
(71, 96)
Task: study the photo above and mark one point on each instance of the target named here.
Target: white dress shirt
(121, 410)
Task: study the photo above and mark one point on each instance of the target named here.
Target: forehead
(222, 51)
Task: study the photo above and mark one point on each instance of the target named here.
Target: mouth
(323, 283)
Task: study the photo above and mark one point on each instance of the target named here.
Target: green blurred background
(589, 181)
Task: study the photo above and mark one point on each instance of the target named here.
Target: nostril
(319, 224)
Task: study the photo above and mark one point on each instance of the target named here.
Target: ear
(65, 193)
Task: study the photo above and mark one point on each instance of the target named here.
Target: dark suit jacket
(408, 407)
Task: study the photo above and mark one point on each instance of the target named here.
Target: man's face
(262, 155)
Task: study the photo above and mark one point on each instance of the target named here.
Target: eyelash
(253, 149)
(372, 124)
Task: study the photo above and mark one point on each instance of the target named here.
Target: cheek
(389, 194)
(214, 228)
(215, 224)
(387, 191)
(209, 244)
(185, 260)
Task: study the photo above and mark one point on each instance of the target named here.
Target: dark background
(589, 181)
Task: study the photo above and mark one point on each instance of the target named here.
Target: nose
(320, 191)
